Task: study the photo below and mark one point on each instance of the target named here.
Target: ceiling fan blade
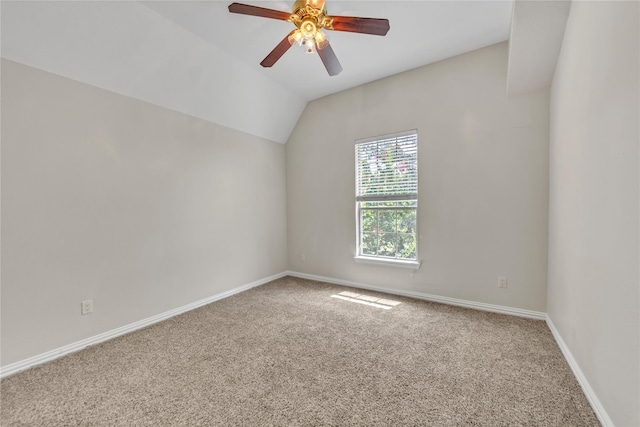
(330, 60)
(277, 52)
(246, 9)
(375, 26)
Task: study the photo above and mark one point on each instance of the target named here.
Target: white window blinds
(387, 168)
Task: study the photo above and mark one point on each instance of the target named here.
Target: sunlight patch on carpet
(383, 303)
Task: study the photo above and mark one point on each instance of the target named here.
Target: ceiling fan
(310, 18)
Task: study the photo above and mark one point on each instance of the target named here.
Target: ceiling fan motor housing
(304, 15)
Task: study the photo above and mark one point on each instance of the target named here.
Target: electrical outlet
(303, 258)
(502, 281)
(87, 306)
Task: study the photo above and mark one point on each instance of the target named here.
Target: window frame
(359, 200)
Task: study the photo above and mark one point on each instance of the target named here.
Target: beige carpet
(288, 354)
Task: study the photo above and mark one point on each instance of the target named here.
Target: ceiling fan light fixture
(299, 38)
(309, 46)
(321, 40)
(296, 37)
(308, 28)
(310, 38)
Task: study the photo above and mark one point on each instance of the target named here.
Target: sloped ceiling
(197, 58)
(128, 48)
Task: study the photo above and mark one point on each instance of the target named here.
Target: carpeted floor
(288, 354)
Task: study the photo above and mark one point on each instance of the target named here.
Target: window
(387, 198)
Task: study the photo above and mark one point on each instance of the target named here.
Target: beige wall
(593, 296)
(140, 208)
(483, 181)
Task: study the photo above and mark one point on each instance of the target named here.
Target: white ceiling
(197, 58)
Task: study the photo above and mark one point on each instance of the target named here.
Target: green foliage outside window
(389, 232)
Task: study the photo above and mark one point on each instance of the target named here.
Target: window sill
(413, 265)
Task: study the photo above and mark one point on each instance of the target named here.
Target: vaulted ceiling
(197, 58)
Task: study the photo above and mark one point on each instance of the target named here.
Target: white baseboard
(428, 297)
(48, 356)
(601, 413)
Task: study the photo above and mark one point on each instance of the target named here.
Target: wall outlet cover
(86, 307)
